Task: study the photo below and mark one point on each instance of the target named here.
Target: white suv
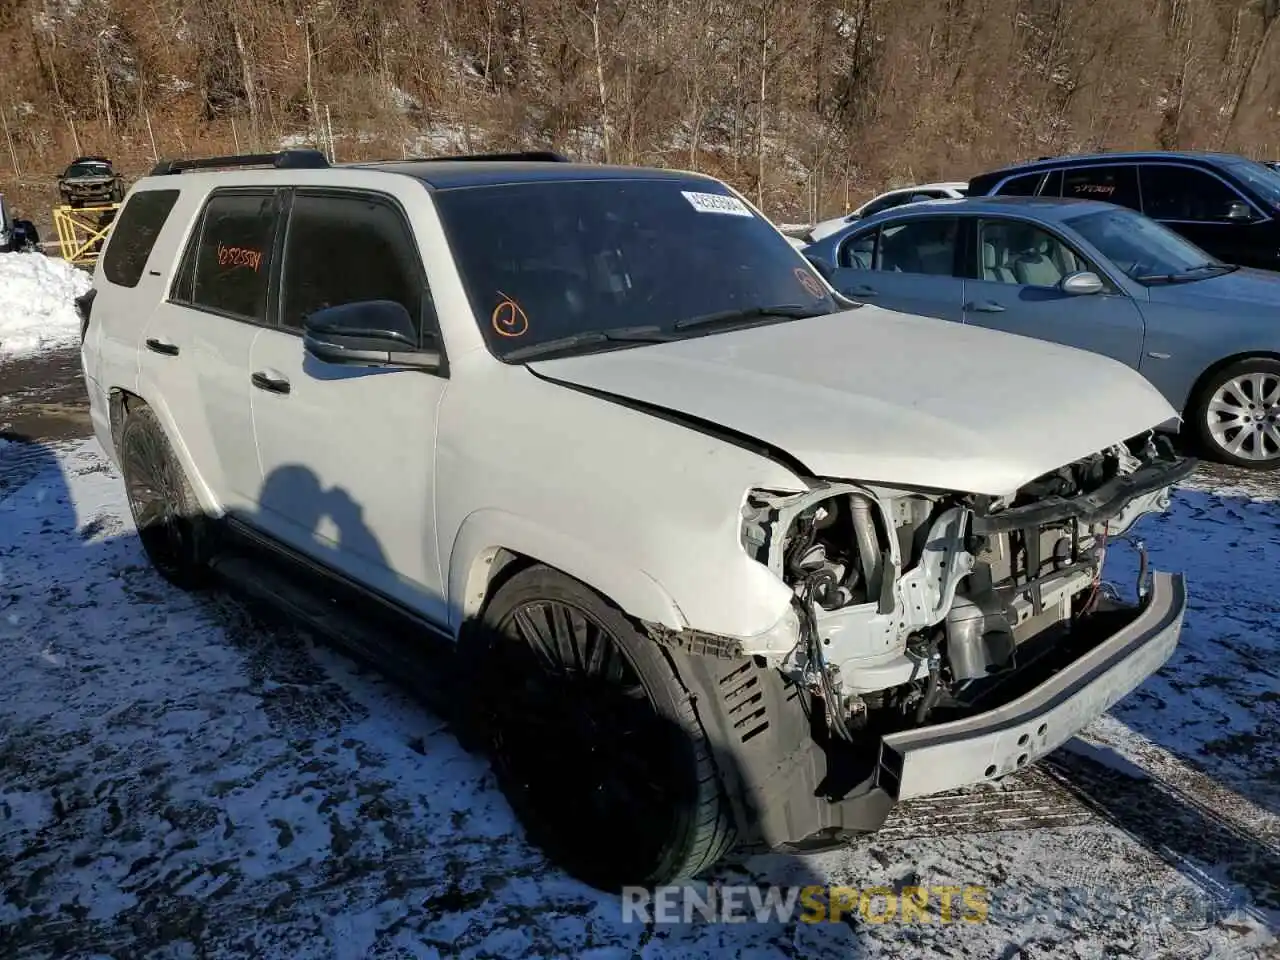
(716, 555)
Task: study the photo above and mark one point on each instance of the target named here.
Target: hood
(882, 397)
(1259, 288)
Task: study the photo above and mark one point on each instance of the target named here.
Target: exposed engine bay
(913, 606)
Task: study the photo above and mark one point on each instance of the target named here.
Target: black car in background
(1225, 204)
(90, 182)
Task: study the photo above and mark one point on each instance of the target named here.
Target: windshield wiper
(781, 311)
(1188, 275)
(645, 334)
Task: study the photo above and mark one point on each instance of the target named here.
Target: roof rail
(283, 160)
(532, 156)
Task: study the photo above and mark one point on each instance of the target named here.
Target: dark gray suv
(1225, 204)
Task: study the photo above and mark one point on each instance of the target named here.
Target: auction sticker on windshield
(717, 203)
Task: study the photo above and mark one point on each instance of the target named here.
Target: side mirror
(376, 333)
(1082, 284)
(1239, 212)
(823, 267)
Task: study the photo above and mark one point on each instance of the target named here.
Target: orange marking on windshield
(508, 319)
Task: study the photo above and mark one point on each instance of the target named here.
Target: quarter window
(345, 249)
(1116, 184)
(228, 266)
(1020, 253)
(925, 246)
(134, 235)
(1181, 193)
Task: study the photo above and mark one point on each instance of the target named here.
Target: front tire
(174, 531)
(1236, 416)
(594, 738)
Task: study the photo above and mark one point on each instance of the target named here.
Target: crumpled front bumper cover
(1000, 741)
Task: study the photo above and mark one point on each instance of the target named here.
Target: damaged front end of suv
(952, 638)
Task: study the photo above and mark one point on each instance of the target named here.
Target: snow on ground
(36, 303)
(179, 779)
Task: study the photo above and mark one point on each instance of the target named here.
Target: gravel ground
(179, 778)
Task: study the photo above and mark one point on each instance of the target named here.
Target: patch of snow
(442, 138)
(292, 141)
(37, 311)
(403, 101)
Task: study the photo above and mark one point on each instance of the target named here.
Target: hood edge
(737, 438)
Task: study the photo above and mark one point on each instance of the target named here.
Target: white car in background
(885, 201)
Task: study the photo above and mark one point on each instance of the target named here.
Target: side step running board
(415, 658)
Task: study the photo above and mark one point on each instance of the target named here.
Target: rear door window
(134, 235)
(858, 253)
(1180, 193)
(228, 263)
(1117, 183)
(926, 246)
(347, 248)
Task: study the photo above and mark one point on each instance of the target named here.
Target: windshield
(549, 260)
(94, 169)
(1139, 246)
(1262, 180)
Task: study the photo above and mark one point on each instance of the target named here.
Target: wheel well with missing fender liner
(489, 571)
(121, 402)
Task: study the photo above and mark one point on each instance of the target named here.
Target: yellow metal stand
(81, 231)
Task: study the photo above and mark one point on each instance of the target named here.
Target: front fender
(486, 531)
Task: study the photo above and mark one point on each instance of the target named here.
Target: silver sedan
(1091, 275)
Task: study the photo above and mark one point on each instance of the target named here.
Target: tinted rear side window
(925, 246)
(1114, 184)
(229, 261)
(1023, 186)
(345, 249)
(1181, 193)
(135, 234)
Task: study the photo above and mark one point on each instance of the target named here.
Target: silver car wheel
(1243, 416)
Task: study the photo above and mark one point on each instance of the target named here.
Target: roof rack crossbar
(283, 160)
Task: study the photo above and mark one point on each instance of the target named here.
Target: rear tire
(1236, 415)
(175, 533)
(593, 737)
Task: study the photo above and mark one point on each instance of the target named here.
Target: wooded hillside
(808, 105)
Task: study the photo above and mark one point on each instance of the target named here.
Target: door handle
(986, 306)
(270, 381)
(162, 347)
(862, 290)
